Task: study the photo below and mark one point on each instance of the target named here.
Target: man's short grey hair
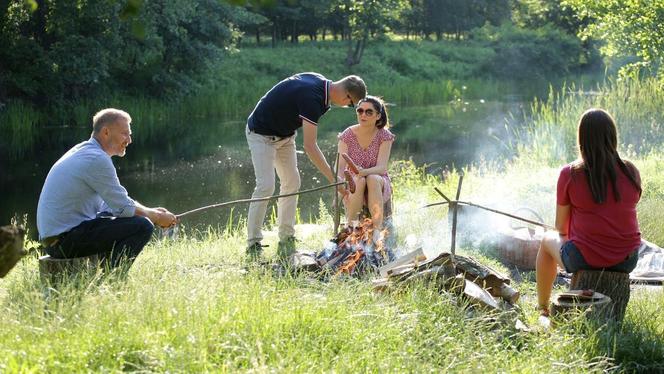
(107, 117)
(355, 86)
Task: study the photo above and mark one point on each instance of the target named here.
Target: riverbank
(406, 73)
(188, 305)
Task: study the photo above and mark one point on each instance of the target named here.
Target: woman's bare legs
(355, 201)
(375, 199)
(548, 259)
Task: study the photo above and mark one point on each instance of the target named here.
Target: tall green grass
(190, 306)
(550, 135)
(19, 125)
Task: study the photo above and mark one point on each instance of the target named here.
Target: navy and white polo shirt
(280, 112)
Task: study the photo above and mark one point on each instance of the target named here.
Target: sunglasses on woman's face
(369, 112)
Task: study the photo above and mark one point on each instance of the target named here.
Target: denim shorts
(574, 261)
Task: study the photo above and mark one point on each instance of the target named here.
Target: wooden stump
(54, 270)
(11, 247)
(612, 284)
(594, 304)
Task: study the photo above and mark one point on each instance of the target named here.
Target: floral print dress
(368, 158)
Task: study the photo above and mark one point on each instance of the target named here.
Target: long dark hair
(379, 106)
(598, 148)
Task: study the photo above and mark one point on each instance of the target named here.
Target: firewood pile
(360, 251)
(479, 284)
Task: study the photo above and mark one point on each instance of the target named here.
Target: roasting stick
(219, 205)
(548, 227)
(337, 211)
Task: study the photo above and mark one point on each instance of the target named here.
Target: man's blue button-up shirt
(80, 184)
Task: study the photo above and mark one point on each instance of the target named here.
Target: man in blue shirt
(84, 210)
(297, 101)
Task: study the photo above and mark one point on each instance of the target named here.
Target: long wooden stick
(219, 205)
(442, 194)
(337, 209)
(542, 224)
(455, 208)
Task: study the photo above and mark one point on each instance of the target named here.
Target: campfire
(355, 250)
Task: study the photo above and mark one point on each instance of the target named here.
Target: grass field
(189, 306)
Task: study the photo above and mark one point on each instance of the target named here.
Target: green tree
(627, 28)
(54, 52)
(537, 13)
(367, 18)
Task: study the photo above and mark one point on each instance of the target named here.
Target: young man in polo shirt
(297, 101)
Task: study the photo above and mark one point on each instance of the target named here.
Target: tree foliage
(59, 52)
(628, 28)
(56, 52)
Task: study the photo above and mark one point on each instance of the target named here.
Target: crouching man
(84, 210)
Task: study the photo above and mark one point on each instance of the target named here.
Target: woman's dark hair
(598, 147)
(379, 106)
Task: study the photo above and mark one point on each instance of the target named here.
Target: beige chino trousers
(270, 154)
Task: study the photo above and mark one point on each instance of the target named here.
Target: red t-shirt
(604, 233)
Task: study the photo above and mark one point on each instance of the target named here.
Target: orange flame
(359, 238)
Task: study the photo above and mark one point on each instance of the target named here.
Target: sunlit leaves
(32, 4)
(628, 28)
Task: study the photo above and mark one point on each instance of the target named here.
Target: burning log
(355, 251)
(11, 247)
(351, 261)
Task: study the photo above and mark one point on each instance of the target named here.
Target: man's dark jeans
(114, 239)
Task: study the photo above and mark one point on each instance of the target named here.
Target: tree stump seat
(613, 284)
(55, 269)
(11, 247)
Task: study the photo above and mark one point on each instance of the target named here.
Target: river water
(209, 162)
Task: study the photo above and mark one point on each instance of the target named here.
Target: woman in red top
(368, 145)
(596, 219)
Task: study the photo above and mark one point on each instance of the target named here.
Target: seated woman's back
(605, 232)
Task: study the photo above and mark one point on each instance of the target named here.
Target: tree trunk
(294, 33)
(274, 36)
(355, 56)
(39, 31)
(349, 54)
(612, 284)
(359, 49)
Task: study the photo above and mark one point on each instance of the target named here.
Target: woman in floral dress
(368, 144)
